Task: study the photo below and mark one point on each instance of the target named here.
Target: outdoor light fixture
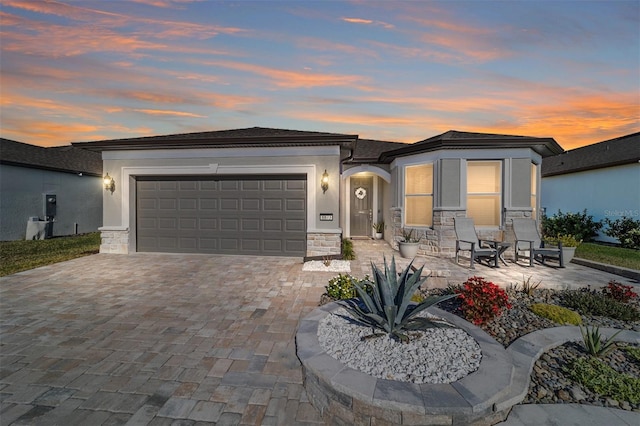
(324, 182)
(109, 183)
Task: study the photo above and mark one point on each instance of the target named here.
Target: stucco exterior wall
(124, 166)
(611, 192)
(22, 190)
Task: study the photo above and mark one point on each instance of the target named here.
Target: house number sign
(361, 193)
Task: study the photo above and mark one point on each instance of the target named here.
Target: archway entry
(361, 206)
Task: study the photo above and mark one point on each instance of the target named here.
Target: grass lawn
(16, 256)
(626, 258)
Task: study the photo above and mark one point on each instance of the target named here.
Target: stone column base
(114, 240)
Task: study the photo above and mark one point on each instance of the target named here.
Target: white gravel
(335, 266)
(440, 355)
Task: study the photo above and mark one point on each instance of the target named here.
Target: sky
(75, 71)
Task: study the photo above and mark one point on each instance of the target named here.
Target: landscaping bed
(566, 373)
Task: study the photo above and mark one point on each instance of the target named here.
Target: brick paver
(151, 339)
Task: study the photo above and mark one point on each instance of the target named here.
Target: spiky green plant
(388, 307)
(594, 343)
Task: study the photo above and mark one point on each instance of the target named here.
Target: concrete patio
(153, 339)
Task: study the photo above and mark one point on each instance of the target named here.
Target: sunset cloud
(368, 22)
(84, 70)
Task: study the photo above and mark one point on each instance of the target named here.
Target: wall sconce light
(109, 183)
(324, 182)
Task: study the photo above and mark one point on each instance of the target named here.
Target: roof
(369, 150)
(249, 137)
(609, 153)
(60, 158)
(454, 139)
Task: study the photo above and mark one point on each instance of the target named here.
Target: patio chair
(467, 240)
(528, 239)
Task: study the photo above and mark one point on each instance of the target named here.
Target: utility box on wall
(50, 203)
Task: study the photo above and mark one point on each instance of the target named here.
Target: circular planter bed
(345, 395)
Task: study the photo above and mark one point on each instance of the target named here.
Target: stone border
(345, 395)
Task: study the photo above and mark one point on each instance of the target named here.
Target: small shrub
(556, 313)
(347, 249)
(388, 308)
(580, 225)
(591, 303)
(594, 344)
(600, 378)
(618, 291)
(407, 236)
(343, 286)
(482, 301)
(634, 352)
(626, 230)
(527, 286)
(566, 240)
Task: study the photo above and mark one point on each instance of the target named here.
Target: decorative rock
(577, 394)
(563, 395)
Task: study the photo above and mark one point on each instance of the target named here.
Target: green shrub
(595, 375)
(389, 308)
(347, 249)
(634, 352)
(556, 313)
(343, 286)
(566, 240)
(626, 230)
(591, 303)
(580, 225)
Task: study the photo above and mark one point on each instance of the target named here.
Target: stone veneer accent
(440, 240)
(114, 240)
(319, 244)
(347, 396)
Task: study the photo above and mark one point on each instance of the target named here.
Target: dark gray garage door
(228, 215)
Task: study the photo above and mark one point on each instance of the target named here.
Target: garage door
(229, 215)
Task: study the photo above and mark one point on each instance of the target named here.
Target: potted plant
(408, 245)
(379, 229)
(568, 243)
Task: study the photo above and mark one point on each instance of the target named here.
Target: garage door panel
(251, 204)
(295, 205)
(293, 225)
(250, 225)
(272, 205)
(167, 203)
(229, 204)
(208, 224)
(188, 223)
(208, 204)
(222, 215)
(229, 225)
(273, 225)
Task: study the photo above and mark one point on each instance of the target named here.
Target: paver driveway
(151, 338)
(178, 339)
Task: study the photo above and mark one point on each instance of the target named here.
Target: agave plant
(594, 344)
(387, 305)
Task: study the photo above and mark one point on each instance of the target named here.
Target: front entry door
(361, 213)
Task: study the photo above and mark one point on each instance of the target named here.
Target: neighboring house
(63, 183)
(259, 191)
(603, 178)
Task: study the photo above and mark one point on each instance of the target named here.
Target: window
(418, 195)
(484, 186)
(534, 183)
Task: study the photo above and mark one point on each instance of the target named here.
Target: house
(604, 178)
(297, 193)
(60, 185)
